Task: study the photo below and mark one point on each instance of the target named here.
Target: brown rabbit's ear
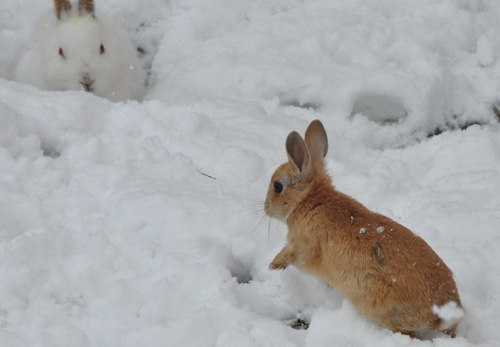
(298, 154)
(86, 6)
(61, 5)
(317, 140)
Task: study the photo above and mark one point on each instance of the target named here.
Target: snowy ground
(112, 233)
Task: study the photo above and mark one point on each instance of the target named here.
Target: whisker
(252, 207)
(269, 231)
(257, 206)
(259, 222)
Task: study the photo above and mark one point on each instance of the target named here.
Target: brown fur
(61, 5)
(391, 275)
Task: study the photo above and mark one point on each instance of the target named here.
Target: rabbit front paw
(282, 260)
(277, 265)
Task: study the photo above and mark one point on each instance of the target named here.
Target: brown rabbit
(391, 275)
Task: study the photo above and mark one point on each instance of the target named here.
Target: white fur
(117, 74)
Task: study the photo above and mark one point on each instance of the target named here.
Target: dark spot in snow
(452, 126)
(49, 150)
(239, 271)
(297, 323)
(496, 110)
(309, 105)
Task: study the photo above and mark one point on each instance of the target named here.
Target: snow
(449, 312)
(142, 223)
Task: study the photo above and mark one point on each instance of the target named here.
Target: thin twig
(204, 174)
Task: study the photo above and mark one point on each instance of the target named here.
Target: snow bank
(132, 224)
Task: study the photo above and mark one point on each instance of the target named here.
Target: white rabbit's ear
(298, 154)
(61, 6)
(86, 7)
(317, 140)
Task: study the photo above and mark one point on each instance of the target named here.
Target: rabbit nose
(86, 82)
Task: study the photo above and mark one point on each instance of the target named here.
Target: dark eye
(61, 53)
(101, 49)
(278, 187)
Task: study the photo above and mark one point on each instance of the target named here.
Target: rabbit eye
(61, 53)
(101, 49)
(278, 187)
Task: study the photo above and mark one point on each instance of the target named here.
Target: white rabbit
(75, 50)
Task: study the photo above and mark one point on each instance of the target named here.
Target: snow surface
(141, 224)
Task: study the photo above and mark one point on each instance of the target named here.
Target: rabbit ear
(61, 5)
(86, 6)
(298, 154)
(317, 140)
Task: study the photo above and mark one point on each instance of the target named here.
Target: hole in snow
(239, 271)
(49, 150)
(379, 108)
